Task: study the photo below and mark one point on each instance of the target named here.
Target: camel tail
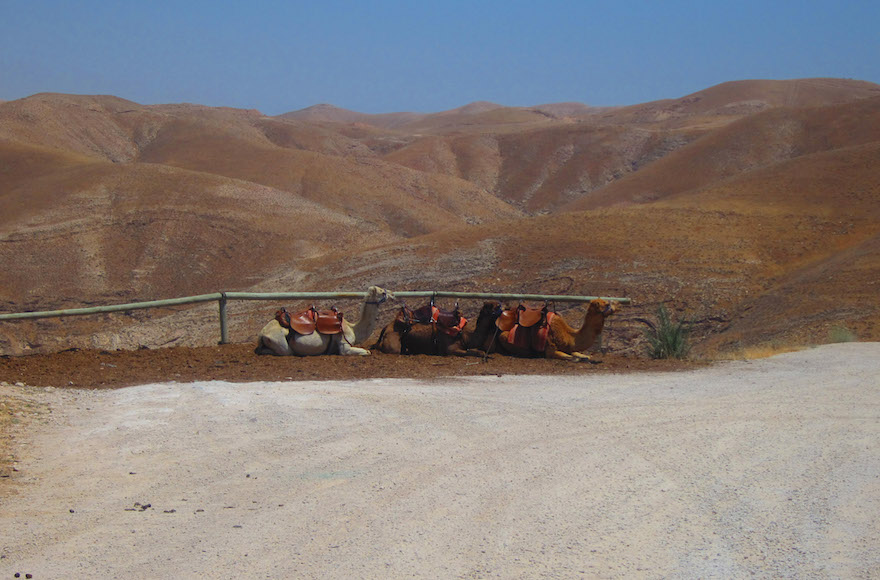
(380, 339)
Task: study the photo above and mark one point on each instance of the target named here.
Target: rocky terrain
(749, 208)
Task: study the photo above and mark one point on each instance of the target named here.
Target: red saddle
(526, 327)
(445, 321)
(310, 320)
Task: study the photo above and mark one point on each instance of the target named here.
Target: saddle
(450, 323)
(310, 320)
(526, 327)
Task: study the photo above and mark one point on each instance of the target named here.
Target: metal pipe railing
(113, 307)
(506, 296)
(224, 297)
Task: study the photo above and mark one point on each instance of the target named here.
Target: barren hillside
(751, 207)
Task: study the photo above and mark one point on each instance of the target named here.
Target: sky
(424, 56)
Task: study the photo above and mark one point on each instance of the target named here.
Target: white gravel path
(767, 469)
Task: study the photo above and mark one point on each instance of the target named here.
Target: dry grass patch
(758, 351)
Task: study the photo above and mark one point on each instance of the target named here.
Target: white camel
(277, 340)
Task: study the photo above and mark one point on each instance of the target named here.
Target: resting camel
(484, 335)
(427, 330)
(277, 340)
(561, 341)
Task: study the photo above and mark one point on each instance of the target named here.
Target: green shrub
(842, 334)
(668, 339)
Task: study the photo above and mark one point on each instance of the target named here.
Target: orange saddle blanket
(450, 323)
(527, 328)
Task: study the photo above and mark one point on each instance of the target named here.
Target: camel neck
(592, 327)
(367, 321)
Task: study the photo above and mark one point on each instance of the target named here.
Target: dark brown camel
(408, 335)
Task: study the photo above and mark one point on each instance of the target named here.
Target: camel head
(597, 312)
(601, 307)
(485, 325)
(377, 296)
(370, 312)
(489, 312)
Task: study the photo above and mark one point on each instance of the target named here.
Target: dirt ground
(102, 369)
(765, 468)
(238, 363)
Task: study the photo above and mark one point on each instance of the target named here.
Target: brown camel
(427, 330)
(562, 341)
(485, 332)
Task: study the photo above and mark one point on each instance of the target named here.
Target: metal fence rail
(222, 299)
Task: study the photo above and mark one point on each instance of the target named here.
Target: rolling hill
(751, 207)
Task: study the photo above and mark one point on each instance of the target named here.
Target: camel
(277, 340)
(484, 334)
(446, 335)
(562, 342)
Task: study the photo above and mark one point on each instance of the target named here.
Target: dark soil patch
(238, 363)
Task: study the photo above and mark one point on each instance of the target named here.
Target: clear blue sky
(384, 56)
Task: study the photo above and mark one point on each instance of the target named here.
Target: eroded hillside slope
(751, 207)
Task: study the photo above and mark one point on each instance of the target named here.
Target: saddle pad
(329, 322)
(539, 339)
(506, 320)
(519, 337)
(307, 321)
(430, 314)
(303, 322)
(448, 319)
(530, 316)
(299, 322)
(530, 337)
(426, 314)
(453, 330)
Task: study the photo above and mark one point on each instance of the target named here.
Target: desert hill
(473, 115)
(751, 207)
(89, 169)
(750, 143)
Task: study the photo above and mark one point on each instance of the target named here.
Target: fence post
(224, 332)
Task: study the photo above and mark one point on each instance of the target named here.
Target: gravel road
(767, 468)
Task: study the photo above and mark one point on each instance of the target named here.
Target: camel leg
(475, 352)
(553, 353)
(468, 352)
(273, 340)
(459, 350)
(346, 349)
(456, 349)
(389, 341)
